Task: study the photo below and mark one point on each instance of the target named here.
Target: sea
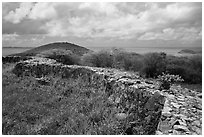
(143, 50)
(12, 50)
(140, 50)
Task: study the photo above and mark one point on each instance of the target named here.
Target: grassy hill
(78, 50)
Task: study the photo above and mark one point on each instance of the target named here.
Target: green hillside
(78, 50)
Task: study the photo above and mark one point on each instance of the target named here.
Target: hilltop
(76, 49)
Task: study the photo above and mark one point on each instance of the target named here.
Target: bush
(62, 56)
(98, 59)
(116, 58)
(151, 64)
(196, 63)
(127, 60)
(192, 76)
(167, 80)
(120, 58)
(176, 70)
(154, 64)
(189, 68)
(133, 64)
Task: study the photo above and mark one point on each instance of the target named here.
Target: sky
(132, 24)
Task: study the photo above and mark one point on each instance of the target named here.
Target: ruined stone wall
(140, 103)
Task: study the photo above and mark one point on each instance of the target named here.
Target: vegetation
(63, 56)
(115, 58)
(155, 64)
(78, 50)
(98, 59)
(72, 106)
(167, 80)
(189, 68)
(63, 106)
(150, 65)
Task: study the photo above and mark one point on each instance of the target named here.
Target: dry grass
(65, 106)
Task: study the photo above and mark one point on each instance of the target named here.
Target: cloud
(15, 40)
(168, 21)
(25, 27)
(105, 8)
(19, 13)
(188, 34)
(47, 11)
(9, 37)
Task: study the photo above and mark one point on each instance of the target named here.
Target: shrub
(189, 68)
(192, 76)
(167, 80)
(176, 70)
(116, 58)
(154, 64)
(62, 56)
(120, 58)
(135, 64)
(175, 60)
(98, 59)
(151, 64)
(196, 63)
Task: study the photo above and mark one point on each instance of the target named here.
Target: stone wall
(140, 103)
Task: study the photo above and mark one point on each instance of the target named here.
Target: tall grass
(65, 106)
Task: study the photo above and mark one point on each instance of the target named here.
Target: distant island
(187, 51)
(76, 49)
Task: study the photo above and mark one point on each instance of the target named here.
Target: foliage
(167, 80)
(189, 68)
(115, 58)
(61, 55)
(155, 64)
(98, 59)
(150, 65)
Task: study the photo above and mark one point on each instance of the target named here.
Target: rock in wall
(139, 102)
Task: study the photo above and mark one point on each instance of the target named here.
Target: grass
(65, 106)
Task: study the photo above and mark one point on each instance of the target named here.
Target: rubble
(186, 113)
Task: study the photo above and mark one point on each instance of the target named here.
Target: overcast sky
(103, 24)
